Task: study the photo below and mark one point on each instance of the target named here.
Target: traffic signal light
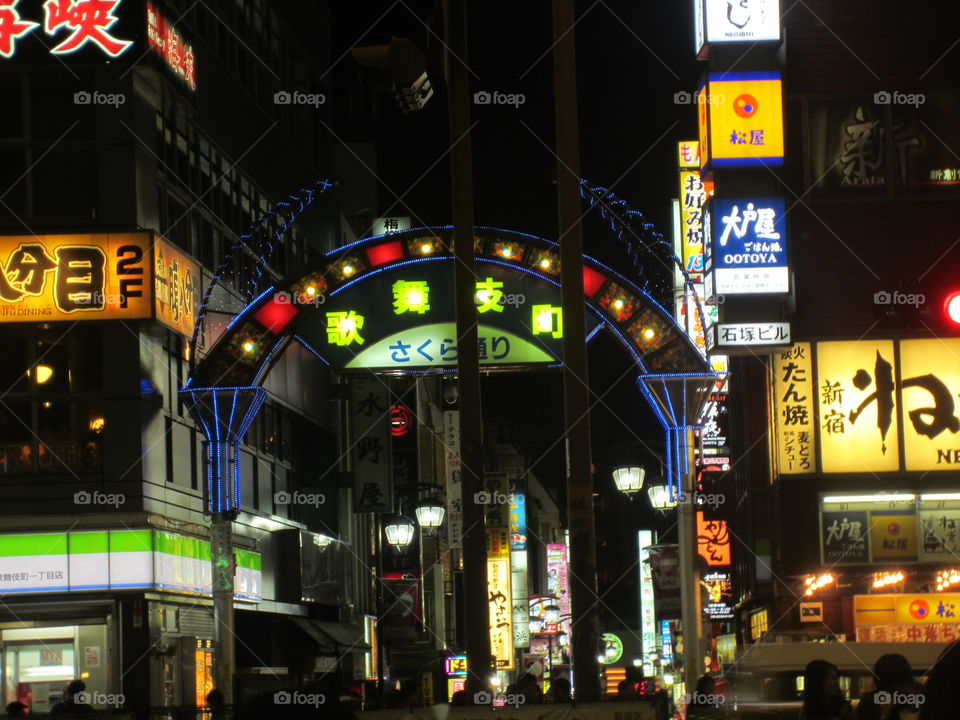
(951, 308)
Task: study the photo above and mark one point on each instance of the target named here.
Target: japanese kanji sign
(748, 251)
(713, 541)
(921, 614)
(451, 442)
(693, 194)
(893, 535)
(122, 276)
(940, 531)
(731, 21)
(793, 422)
(844, 537)
(501, 612)
(741, 119)
(163, 38)
(496, 515)
(370, 452)
(929, 382)
(72, 25)
(747, 335)
(858, 425)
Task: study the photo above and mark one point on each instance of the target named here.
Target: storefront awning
(333, 638)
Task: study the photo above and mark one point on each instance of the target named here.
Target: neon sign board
(749, 246)
(76, 24)
(163, 38)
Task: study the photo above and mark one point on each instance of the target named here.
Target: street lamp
(430, 511)
(399, 532)
(629, 480)
(661, 498)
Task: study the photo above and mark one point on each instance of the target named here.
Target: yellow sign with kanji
(794, 438)
(741, 119)
(856, 414)
(501, 612)
(104, 276)
(930, 385)
(907, 608)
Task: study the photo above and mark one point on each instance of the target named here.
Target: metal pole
(689, 574)
(381, 606)
(576, 394)
(476, 608)
(223, 567)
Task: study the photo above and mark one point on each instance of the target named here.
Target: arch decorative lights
(629, 480)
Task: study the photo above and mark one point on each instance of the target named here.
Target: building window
(758, 624)
(51, 419)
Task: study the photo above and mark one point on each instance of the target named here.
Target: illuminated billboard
(871, 405)
(748, 252)
(732, 21)
(117, 276)
(741, 119)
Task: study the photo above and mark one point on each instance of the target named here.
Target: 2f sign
(70, 277)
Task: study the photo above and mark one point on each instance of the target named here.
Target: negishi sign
(118, 276)
(869, 405)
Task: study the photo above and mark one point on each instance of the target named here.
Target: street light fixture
(661, 498)
(399, 532)
(430, 511)
(629, 480)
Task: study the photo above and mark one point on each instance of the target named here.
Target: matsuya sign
(869, 405)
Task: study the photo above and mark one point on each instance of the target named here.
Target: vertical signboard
(370, 453)
(856, 413)
(939, 530)
(693, 194)
(558, 582)
(648, 621)
(496, 498)
(518, 565)
(501, 606)
(176, 288)
(451, 443)
(793, 394)
(749, 246)
(737, 21)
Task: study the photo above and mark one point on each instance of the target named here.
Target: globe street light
(629, 480)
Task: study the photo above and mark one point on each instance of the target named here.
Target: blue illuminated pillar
(224, 415)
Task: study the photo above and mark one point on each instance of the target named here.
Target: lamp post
(430, 510)
(661, 498)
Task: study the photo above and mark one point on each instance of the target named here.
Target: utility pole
(476, 607)
(224, 567)
(690, 612)
(576, 392)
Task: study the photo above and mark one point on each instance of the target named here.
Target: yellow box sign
(907, 608)
(693, 194)
(501, 612)
(741, 119)
(793, 410)
(116, 276)
(874, 398)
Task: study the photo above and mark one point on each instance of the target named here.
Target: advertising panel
(930, 385)
(859, 427)
(731, 21)
(794, 430)
(451, 443)
(176, 288)
(370, 454)
(648, 620)
(741, 119)
(749, 253)
(501, 611)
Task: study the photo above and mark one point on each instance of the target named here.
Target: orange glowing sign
(713, 541)
(115, 276)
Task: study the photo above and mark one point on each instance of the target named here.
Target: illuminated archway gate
(386, 304)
